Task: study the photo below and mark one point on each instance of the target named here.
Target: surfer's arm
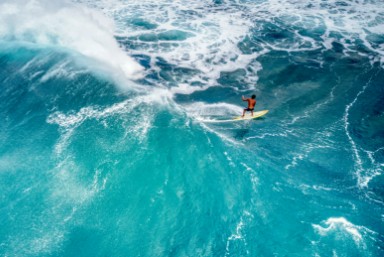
(244, 99)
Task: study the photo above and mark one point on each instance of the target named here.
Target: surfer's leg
(252, 113)
(244, 112)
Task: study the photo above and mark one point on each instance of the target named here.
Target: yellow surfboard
(248, 115)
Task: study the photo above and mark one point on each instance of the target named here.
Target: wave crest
(69, 26)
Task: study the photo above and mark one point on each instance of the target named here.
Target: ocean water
(108, 146)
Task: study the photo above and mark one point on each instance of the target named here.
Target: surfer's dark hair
(253, 96)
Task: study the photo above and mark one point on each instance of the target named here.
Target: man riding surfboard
(251, 104)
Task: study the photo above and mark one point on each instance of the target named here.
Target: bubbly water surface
(107, 149)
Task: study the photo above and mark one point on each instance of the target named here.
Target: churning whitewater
(108, 149)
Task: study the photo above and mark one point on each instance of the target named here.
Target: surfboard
(247, 116)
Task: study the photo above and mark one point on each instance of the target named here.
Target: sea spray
(70, 27)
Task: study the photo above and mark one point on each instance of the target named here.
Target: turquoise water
(108, 146)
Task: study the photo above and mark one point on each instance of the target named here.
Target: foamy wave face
(198, 41)
(57, 24)
(228, 36)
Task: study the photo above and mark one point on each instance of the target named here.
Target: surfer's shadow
(245, 129)
(241, 133)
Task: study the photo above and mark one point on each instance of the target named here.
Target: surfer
(251, 104)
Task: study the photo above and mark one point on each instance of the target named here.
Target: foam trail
(203, 112)
(65, 25)
(236, 236)
(362, 180)
(200, 108)
(341, 224)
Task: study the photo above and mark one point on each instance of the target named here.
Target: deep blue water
(108, 146)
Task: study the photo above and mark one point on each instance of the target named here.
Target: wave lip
(69, 26)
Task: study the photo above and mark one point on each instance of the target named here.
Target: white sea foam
(238, 235)
(362, 176)
(211, 34)
(201, 109)
(67, 26)
(211, 45)
(335, 225)
(187, 89)
(73, 120)
(136, 126)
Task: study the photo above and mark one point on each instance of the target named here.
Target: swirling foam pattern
(105, 149)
